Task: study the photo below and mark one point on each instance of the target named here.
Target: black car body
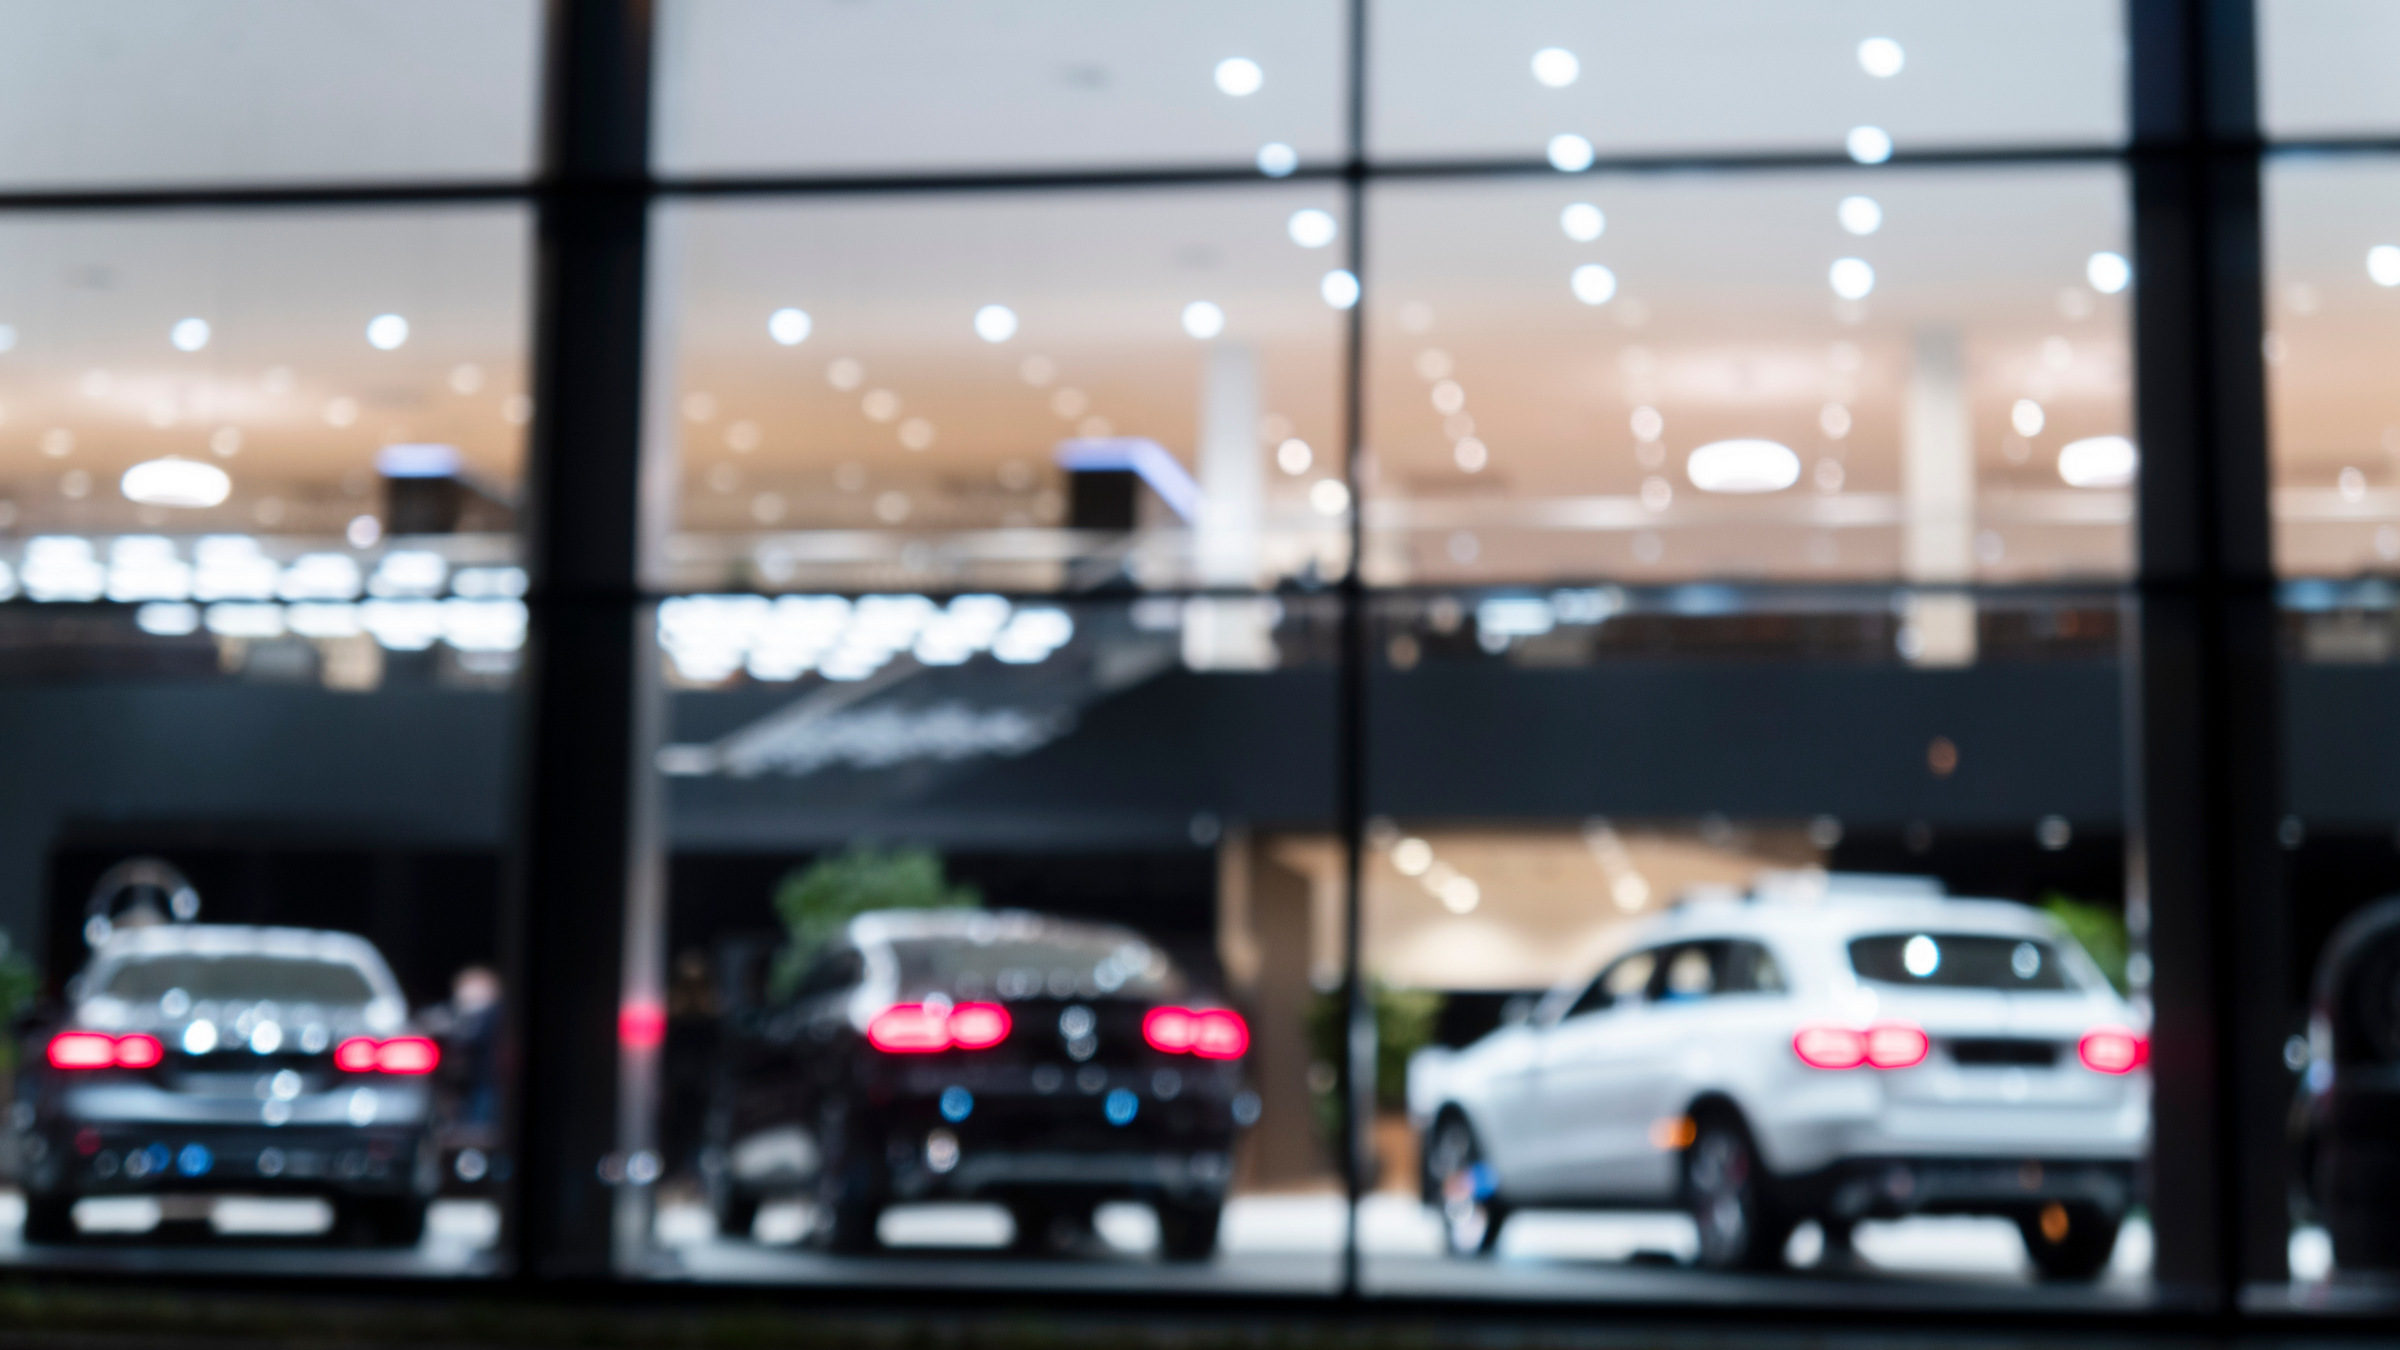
(209, 1059)
(1004, 1056)
(2346, 1121)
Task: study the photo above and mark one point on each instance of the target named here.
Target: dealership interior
(1514, 549)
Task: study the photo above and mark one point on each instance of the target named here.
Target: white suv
(1836, 1048)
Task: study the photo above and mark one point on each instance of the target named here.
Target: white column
(1229, 634)
(1938, 491)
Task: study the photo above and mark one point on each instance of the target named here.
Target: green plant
(2100, 931)
(1404, 1024)
(19, 982)
(815, 902)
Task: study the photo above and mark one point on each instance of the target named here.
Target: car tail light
(1210, 1033)
(1830, 1047)
(922, 1029)
(139, 1051)
(1885, 1045)
(401, 1054)
(1896, 1045)
(99, 1050)
(2113, 1050)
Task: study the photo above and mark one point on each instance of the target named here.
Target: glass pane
(1715, 956)
(999, 969)
(1917, 376)
(2323, 67)
(261, 633)
(1566, 78)
(2333, 319)
(256, 91)
(1020, 393)
(2333, 262)
(753, 86)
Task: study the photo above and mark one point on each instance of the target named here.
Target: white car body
(1594, 1108)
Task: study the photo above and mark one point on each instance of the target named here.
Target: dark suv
(966, 1054)
(200, 1059)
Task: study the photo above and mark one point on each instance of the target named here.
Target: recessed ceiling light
(995, 323)
(2098, 462)
(1881, 57)
(1592, 284)
(385, 332)
(790, 327)
(176, 482)
(1851, 278)
(2109, 273)
(1239, 76)
(1868, 145)
(1312, 228)
(1570, 153)
(1743, 466)
(189, 335)
(1203, 320)
(1860, 215)
(1556, 67)
(1582, 222)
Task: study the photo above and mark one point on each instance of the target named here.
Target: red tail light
(1885, 1045)
(1210, 1033)
(401, 1054)
(2113, 1050)
(922, 1029)
(99, 1050)
(139, 1051)
(1896, 1045)
(1830, 1047)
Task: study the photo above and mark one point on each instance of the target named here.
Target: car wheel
(1465, 1188)
(50, 1219)
(737, 1213)
(1731, 1199)
(2070, 1242)
(1048, 1227)
(1187, 1231)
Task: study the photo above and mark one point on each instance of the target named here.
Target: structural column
(2205, 884)
(585, 900)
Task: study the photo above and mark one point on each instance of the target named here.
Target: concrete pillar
(1937, 475)
(1229, 633)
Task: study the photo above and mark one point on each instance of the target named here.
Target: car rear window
(1959, 961)
(1062, 965)
(247, 979)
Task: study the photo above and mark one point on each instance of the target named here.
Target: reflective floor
(1270, 1244)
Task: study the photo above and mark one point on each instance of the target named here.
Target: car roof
(1837, 907)
(228, 939)
(977, 925)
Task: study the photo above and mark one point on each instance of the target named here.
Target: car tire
(1731, 1198)
(2070, 1241)
(382, 1221)
(1464, 1189)
(50, 1220)
(1187, 1231)
(736, 1213)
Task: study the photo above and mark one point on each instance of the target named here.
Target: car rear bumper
(140, 1159)
(1890, 1188)
(986, 1173)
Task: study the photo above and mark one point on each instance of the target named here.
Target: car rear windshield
(1059, 965)
(1959, 961)
(246, 979)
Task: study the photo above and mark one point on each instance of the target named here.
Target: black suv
(1044, 1064)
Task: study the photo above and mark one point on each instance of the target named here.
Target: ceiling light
(176, 482)
(1312, 228)
(1592, 284)
(385, 332)
(1860, 215)
(189, 335)
(1556, 67)
(1239, 76)
(1339, 288)
(995, 323)
(1852, 279)
(2383, 264)
(789, 326)
(1881, 57)
(1329, 496)
(1277, 160)
(2098, 462)
(1570, 153)
(2109, 273)
(1203, 320)
(1582, 222)
(2027, 417)
(1868, 145)
(1743, 466)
